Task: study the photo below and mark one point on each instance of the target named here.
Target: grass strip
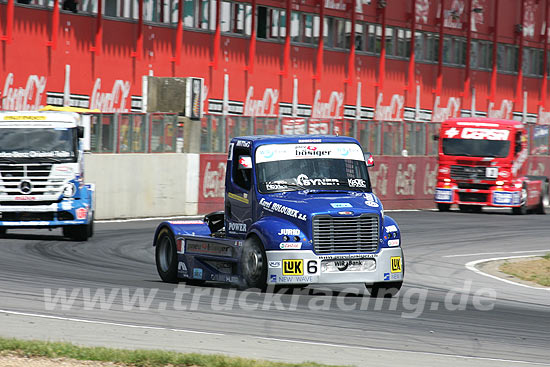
(138, 358)
(537, 270)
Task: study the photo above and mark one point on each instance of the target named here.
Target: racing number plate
(293, 267)
(396, 264)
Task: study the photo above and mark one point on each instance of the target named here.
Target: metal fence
(161, 132)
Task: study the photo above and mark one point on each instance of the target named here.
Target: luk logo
(396, 264)
(293, 267)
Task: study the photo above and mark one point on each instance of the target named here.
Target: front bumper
(63, 213)
(305, 267)
(498, 198)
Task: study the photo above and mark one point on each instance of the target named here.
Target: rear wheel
(442, 207)
(80, 232)
(254, 264)
(166, 256)
(384, 290)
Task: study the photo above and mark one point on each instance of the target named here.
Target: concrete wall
(143, 185)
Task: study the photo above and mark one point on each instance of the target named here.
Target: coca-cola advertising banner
(212, 182)
(399, 182)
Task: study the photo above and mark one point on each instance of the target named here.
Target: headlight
(69, 190)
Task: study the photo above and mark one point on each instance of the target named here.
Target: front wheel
(254, 264)
(522, 209)
(166, 256)
(544, 198)
(384, 290)
(442, 207)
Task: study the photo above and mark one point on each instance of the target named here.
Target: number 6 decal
(312, 266)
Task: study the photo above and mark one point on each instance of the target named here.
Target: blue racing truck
(42, 173)
(299, 210)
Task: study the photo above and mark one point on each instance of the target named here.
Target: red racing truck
(483, 162)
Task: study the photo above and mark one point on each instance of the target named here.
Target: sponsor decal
(239, 243)
(237, 227)
(372, 204)
(357, 182)
(276, 207)
(306, 181)
(311, 150)
(197, 273)
(238, 197)
(289, 232)
(182, 269)
(396, 264)
(276, 185)
(293, 267)
(350, 256)
(484, 134)
(452, 132)
(386, 276)
(25, 198)
(345, 213)
(81, 213)
(273, 278)
(208, 248)
(66, 205)
(290, 245)
(243, 143)
(503, 198)
(393, 243)
(294, 279)
(491, 172)
(443, 195)
(274, 264)
(340, 205)
(369, 197)
(391, 228)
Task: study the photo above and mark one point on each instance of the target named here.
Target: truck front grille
(345, 234)
(469, 173)
(38, 175)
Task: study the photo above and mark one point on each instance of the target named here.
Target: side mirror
(435, 137)
(245, 162)
(80, 131)
(369, 159)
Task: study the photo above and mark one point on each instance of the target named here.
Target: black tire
(3, 231)
(78, 233)
(166, 256)
(254, 264)
(544, 198)
(442, 207)
(522, 209)
(384, 289)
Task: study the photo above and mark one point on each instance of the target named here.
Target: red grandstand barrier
(399, 182)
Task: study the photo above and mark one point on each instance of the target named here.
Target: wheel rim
(165, 255)
(254, 263)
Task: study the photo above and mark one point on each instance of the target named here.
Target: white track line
(472, 266)
(343, 346)
(106, 323)
(497, 253)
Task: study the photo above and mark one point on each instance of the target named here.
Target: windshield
(42, 144)
(292, 167)
(476, 147)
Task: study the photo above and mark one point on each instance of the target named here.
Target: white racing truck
(42, 172)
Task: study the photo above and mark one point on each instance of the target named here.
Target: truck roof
(296, 139)
(39, 117)
(485, 120)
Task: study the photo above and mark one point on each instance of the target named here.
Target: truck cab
(483, 162)
(299, 210)
(42, 173)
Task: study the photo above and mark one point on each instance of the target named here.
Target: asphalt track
(445, 313)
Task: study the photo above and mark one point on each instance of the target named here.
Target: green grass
(547, 256)
(138, 358)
